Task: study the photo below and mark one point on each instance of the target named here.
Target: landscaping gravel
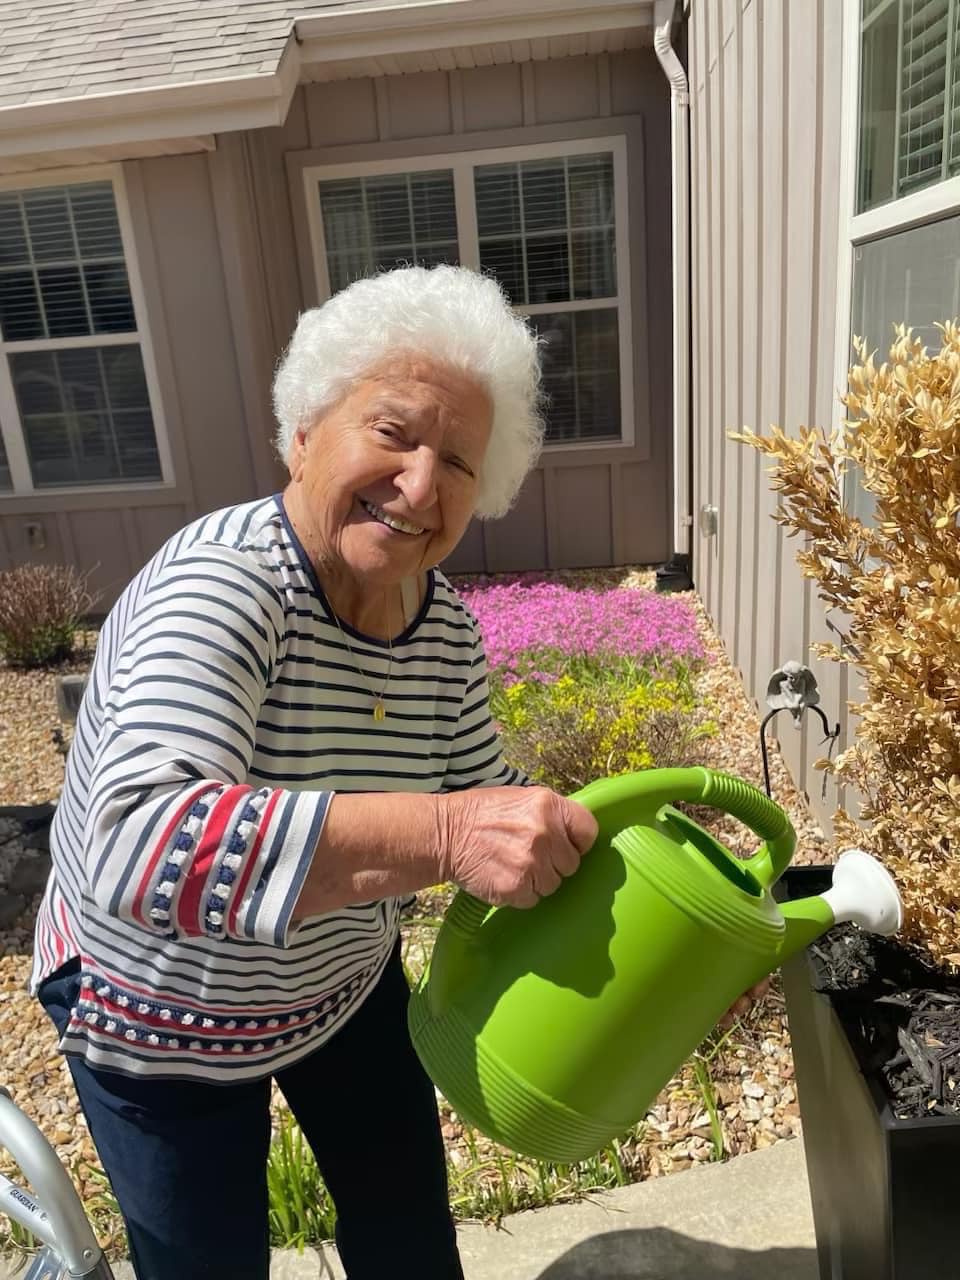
(752, 1072)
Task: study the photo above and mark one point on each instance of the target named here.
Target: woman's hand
(511, 846)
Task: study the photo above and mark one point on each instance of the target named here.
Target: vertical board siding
(187, 244)
(566, 90)
(343, 112)
(520, 541)
(800, 301)
(419, 105)
(110, 544)
(224, 253)
(179, 246)
(713, 274)
(247, 289)
(631, 515)
(578, 491)
(765, 90)
(728, 485)
(18, 549)
(750, 373)
(772, 257)
(492, 97)
(99, 539)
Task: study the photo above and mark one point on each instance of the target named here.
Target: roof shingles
(56, 49)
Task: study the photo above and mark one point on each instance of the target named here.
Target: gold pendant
(378, 711)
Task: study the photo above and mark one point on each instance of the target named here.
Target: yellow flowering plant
(599, 719)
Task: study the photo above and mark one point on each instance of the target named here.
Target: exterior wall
(765, 80)
(581, 507)
(224, 256)
(183, 248)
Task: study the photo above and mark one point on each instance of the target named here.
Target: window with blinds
(544, 226)
(377, 223)
(546, 229)
(909, 97)
(72, 353)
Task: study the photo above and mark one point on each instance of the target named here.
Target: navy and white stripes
(223, 712)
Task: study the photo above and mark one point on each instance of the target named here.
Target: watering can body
(552, 1029)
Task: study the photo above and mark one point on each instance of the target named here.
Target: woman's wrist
(375, 845)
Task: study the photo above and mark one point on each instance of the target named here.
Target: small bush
(894, 587)
(597, 719)
(41, 608)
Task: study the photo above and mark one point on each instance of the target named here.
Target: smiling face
(384, 485)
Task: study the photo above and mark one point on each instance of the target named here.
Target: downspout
(675, 575)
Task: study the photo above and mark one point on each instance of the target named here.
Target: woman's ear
(298, 453)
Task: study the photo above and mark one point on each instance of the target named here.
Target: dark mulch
(902, 1016)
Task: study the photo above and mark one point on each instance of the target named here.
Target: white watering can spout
(864, 893)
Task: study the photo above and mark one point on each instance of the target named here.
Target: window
(913, 275)
(75, 407)
(544, 221)
(901, 252)
(909, 97)
(373, 224)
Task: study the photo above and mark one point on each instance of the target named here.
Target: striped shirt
(223, 712)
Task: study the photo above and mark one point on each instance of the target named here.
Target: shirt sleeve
(177, 841)
(476, 753)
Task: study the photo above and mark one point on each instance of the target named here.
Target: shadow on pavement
(661, 1254)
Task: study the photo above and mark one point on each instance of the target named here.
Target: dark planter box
(885, 1191)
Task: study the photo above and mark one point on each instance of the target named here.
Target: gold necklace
(378, 710)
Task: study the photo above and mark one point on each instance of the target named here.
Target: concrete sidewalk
(749, 1218)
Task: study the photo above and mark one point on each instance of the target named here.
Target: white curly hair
(451, 314)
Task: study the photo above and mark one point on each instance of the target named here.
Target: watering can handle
(764, 818)
(614, 801)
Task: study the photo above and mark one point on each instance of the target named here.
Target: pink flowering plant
(589, 684)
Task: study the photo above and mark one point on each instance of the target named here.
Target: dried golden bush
(895, 589)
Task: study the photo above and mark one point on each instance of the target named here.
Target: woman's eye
(461, 465)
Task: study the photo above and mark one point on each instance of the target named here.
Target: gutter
(345, 35)
(675, 576)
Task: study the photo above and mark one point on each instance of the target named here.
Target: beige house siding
(765, 81)
(181, 252)
(224, 254)
(581, 507)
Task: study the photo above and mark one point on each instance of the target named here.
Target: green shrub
(599, 717)
(41, 608)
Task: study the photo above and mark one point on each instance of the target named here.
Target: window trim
(919, 208)
(462, 164)
(11, 429)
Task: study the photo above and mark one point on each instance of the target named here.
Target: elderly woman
(285, 734)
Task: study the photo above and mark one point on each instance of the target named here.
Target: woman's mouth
(392, 522)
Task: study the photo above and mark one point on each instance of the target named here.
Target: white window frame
(463, 163)
(929, 204)
(10, 427)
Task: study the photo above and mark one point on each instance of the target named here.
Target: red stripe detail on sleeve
(189, 909)
(240, 887)
(160, 849)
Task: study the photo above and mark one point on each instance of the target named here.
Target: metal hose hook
(830, 736)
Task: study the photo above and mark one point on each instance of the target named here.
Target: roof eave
(262, 99)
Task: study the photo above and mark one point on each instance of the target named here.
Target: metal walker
(70, 1248)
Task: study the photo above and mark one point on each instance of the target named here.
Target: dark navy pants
(187, 1160)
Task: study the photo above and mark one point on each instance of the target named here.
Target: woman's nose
(417, 481)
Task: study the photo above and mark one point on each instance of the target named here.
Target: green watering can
(551, 1030)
